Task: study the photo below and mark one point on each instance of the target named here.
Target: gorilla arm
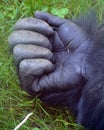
(71, 73)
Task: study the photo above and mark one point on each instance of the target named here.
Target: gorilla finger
(28, 37)
(50, 19)
(29, 69)
(33, 24)
(22, 51)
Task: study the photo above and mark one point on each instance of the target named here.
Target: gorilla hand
(31, 50)
(30, 53)
(35, 61)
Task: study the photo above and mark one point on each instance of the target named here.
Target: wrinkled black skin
(86, 98)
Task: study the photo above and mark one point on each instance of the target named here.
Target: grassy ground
(15, 104)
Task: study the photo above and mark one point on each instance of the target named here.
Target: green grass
(15, 104)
